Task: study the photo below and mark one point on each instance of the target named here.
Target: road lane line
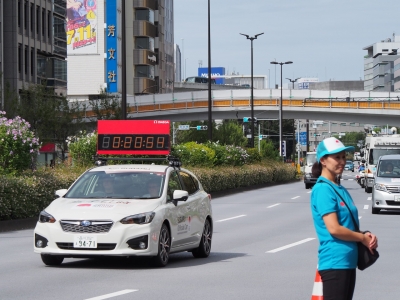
(366, 206)
(309, 192)
(369, 198)
(359, 217)
(295, 197)
(273, 205)
(123, 292)
(290, 245)
(231, 218)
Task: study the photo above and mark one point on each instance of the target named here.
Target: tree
(106, 107)
(230, 133)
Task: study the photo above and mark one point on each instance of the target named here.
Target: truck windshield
(311, 158)
(374, 154)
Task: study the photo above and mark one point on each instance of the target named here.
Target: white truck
(309, 180)
(375, 147)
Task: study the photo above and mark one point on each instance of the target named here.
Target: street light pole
(252, 87)
(293, 80)
(209, 76)
(280, 104)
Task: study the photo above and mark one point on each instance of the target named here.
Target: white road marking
(123, 292)
(231, 218)
(350, 179)
(273, 205)
(295, 197)
(369, 198)
(309, 192)
(359, 217)
(366, 206)
(290, 245)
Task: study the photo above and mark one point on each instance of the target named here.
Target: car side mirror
(180, 195)
(60, 193)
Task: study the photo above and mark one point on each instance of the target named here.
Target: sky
(323, 38)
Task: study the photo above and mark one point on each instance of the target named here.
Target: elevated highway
(378, 108)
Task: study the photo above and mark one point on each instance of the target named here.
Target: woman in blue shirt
(337, 253)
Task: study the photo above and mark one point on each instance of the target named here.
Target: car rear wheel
(204, 248)
(52, 260)
(164, 245)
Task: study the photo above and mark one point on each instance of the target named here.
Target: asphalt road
(264, 247)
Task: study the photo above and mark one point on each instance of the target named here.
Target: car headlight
(380, 187)
(45, 217)
(144, 218)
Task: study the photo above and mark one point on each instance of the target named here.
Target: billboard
(215, 72)
(81, 26)
(112, 47)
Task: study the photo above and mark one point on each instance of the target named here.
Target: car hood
(115, 209)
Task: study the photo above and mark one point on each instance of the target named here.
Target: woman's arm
(345, 234)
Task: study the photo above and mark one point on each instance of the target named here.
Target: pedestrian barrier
(317, 293)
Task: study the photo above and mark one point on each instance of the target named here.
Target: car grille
(393, 189)
(76, 226)
(100, 246)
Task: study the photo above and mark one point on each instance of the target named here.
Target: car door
(195, 214)
(177, 215)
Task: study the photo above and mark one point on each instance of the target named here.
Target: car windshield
(311, 158)
(349, 162)
(122, 185)
(389, 168)
(374, 154)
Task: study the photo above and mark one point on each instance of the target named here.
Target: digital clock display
(142, 137)
(156, 142)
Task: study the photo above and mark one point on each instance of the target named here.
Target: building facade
(33, 44)
(149, 50)
(379, 64)
(396, 70)
(178, 63)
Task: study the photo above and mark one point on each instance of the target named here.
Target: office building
(396, 70)
(178, 63)
(379, 64)
(95, 63)
(33, 44)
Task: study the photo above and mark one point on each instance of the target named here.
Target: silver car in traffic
(386, 191)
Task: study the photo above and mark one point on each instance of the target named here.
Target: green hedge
(26, 195)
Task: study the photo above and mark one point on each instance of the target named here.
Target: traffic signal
(248, 120)
(204, 127)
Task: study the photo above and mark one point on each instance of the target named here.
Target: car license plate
(397, 198)
(85, 241)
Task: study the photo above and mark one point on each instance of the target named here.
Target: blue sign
(303, 138)
(283, 148)
(304, 85)
(112, 47)
(215, 72)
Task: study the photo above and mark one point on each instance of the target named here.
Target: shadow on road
(179, 260)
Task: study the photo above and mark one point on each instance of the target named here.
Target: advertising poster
(217, 73)
(81, 27)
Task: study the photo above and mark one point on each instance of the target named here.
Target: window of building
(19, 58)
(32, 16)
(49, 26)
(37, 19)
(32, 61)
(43, 21)
(26, 15)
(144, 15)
(144, 71)
(144, 43)
(26, 61)
(19, 13)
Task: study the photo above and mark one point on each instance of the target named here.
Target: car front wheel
(52, 260)
(164, 245)
(204, 248)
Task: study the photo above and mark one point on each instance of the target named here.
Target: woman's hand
(370, 240)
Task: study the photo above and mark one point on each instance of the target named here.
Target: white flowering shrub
(82, 147)
(18, 144)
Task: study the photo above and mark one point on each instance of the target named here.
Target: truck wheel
(308, 186)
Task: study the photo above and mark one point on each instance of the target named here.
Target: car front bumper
(115, 240)
(385, 200)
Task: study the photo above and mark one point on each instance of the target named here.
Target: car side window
(188, 181)
(173, 185)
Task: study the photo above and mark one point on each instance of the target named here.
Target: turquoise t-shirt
(333, 253)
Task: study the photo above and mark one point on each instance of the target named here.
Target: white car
(127, 210)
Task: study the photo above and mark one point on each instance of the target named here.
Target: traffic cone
(317, 293)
